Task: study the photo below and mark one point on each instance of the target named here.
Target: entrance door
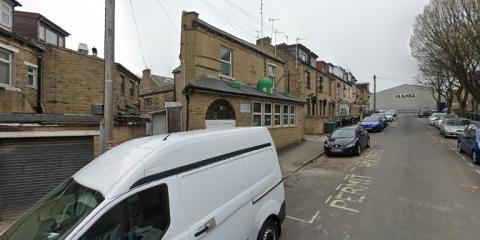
(220, 114)
(159, 123)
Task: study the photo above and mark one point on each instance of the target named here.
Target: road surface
(411, 184)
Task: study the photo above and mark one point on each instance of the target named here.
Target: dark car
(469, 142)
(347, 140)
(424, 112)
(372, 124)
(383, 118)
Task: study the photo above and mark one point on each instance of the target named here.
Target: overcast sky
(364, 36)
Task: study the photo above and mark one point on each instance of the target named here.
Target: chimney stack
(264, 42)
(83, 48)
(146, 74)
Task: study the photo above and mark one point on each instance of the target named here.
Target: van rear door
(217, 202)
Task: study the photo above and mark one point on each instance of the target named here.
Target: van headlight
(351, 145)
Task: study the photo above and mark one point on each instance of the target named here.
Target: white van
(223, 184)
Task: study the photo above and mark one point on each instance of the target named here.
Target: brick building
(226, 81)
(306, 81)
(156, 94)
(51, 108)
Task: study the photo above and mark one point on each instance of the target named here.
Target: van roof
(126, 165)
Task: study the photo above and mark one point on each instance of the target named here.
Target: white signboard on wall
(216, 124)
(245, 108)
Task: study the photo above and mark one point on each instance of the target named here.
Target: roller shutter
(31, 167)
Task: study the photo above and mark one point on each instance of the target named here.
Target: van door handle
(211, 224)
(202, 231)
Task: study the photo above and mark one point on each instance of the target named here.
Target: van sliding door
(217, 202)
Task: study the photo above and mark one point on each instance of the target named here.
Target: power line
(253, 17)
(138, 34)
(247, 14)
(227, 19)
(168, 16)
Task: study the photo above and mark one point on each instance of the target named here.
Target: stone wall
(282, 136)
(19, 97)
(72, 82)
(314, 124)
(157, 101)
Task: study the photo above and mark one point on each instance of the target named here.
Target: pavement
(411, 184)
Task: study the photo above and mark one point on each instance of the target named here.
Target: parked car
(389, 117)
(440, 122)
(393, 112)
(382, 117)
(453, 127)
(372, 124)
(424, 112)
(205, 184)
(347, 140)
(434, 117)
(469, 142)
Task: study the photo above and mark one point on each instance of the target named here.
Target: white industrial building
(405, 98)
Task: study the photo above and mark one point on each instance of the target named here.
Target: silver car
(435, 117)
(453, 127)
(438, 123)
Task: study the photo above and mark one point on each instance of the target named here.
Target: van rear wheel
(269, 230)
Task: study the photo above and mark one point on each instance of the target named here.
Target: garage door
(31, 167)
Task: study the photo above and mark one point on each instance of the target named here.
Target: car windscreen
(457, 122)
(370, 119)
(344, 133)
(57, 214)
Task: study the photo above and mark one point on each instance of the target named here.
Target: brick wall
(314, 124)
(72, 82)
(282, 136)
(19, 97)
(157, 101)
(122, 133)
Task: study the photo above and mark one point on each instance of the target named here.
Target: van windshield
(55, 216)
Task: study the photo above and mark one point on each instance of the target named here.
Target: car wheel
(368, 143)
(269, 230)
(459, 147)
(358, 150)
(474, 157)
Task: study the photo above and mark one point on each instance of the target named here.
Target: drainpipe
(39, 107)
(288, 81)
(187, 96)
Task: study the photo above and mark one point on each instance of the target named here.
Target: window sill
(32, 87)
(10, 88)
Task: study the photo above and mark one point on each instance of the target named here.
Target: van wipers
(167, 136)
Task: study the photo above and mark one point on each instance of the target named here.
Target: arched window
(220, 110)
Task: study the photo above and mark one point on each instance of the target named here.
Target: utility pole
(374, 93)
(109, 50)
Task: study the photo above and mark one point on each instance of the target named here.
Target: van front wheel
(269, 230)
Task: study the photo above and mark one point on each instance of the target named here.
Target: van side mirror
(329, 135)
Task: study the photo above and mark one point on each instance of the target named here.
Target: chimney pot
(94, 51)
(83, 48)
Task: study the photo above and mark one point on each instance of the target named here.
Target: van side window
(259, 166)
(144, 215)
